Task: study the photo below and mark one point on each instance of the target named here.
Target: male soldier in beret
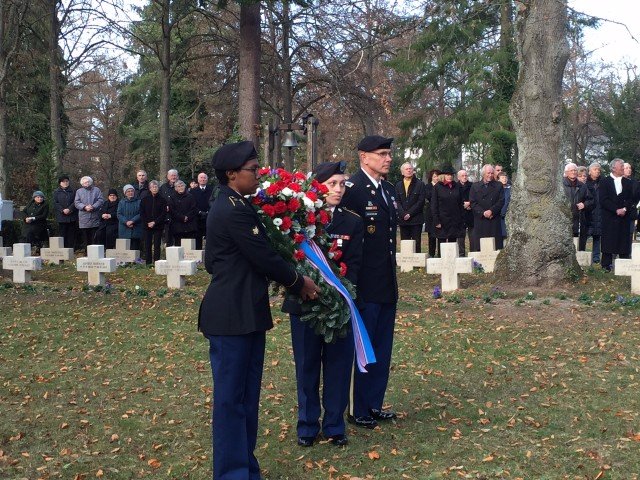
(234, 313)
(310, 352)
(374, 200)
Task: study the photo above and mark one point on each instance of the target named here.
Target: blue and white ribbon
(364, 350)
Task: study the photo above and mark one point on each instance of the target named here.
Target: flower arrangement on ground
(294, 214)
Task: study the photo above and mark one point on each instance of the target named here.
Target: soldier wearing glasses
(234, 313)
(374, 200)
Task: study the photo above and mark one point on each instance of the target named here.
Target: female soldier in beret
(234, 313)
(310, 352)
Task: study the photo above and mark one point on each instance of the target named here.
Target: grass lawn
(490, 382)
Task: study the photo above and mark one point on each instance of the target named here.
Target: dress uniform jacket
(377, 282)
(241, 261)
(347, 230)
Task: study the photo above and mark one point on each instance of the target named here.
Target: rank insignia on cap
(371, 229)
(348, 184)
(255, 231)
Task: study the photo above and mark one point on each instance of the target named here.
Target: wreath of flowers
(293, 211)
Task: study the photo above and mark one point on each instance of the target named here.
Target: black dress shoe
(306, 441)
(365, 422)
(339, 440)
(382, 414)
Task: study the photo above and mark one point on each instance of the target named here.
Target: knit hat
(37, 193)
(127, 187)
(112, 191)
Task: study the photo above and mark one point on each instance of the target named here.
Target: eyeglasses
(382, 154)
(254, 170)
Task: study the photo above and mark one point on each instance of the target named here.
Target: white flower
(287, 192)
(308, 203)
(286, 232)
(311, 231)
(266, 184)
(299, 195)
(277, 221)
(137, 287)
(319, 203)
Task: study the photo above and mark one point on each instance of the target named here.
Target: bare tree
(249, 72)
(539, 250)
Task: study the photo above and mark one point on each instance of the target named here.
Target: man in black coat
(618, 202)
(410, 193)
(581, 202)
(202, 194)
(374, 199)
(234, 313)
(487, 199)
(141, 185)
(66, 212)
(467, 214)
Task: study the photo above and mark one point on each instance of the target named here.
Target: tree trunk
(539, 249)
(249, 72)
(165, 98)
(3, 145)
(55, 96)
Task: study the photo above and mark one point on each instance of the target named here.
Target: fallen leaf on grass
(373, 455)
(154, 463)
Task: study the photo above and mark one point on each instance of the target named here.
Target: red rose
(272, 189)
(322, 188)
(256, 201)
(293, 205)
(311, 218)
(284, 175)
(300, 176)
(298, 238)
(312, 196)
(343, 269)
(294, 186)
(315, 184)
(286, 224)
(264, 171)
(324, 217)
(299, 255)
(280, 207)
(337, 255)
(269, 210)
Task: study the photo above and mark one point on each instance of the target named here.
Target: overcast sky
(612, 42)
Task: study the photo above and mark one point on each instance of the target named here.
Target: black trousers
(433, 245)
(152, 238)
(462, 241)
(69, 233)
(607, 259)
(412, 232)
(88, 235)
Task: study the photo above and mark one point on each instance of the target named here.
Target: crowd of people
(145, 212)
(451, 208)
(448, 210)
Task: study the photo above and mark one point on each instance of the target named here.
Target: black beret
(447, 169)
(325, 171)
(63, 177)
(374, 142)
(233, 155)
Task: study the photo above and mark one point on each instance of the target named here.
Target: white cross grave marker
(175, 267)
(4, 251)
(408, 258)
(630, 268)
(123, 253)
(96, 265)
(584, 258)
(56, 253)
(190, 252)
(449, 266)
(487, 254)
(21, 262)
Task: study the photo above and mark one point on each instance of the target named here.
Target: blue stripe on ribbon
(364, 350)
